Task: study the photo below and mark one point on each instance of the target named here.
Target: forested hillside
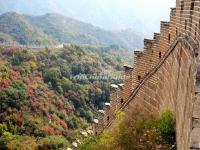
(20, 29)
(43, 102)
(54, 28)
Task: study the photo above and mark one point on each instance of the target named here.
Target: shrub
(87, 142)
(166, 125)
(48, 130)
(12, 128)
(3, 128)
(136, 131)
(52, 143)
(22, 143)
(13, 96)
(4, 139)
(73, 123)
(17, 60)
(52, 75)
(89, 117)
(8, 127)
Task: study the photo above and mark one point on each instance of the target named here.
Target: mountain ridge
(55, 28)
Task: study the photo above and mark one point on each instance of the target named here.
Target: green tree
(13, 96)
(52, 75)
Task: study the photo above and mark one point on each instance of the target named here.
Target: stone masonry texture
(165, 75)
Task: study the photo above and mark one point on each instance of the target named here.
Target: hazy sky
(145, 8)
(149, 8)
(151, 11)
(110, 14)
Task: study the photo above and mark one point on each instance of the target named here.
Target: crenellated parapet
(107, 114)
(172, 13)
(137, 56)
(116, 96)
(156, 36)
(164, 25)
(128, 79)
(148, 43)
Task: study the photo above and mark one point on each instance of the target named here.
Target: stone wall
(163, 75)
(171, 86)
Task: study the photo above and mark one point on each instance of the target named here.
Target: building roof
(107, 104)
(121, 85)
(89, 131)
(84, 133)
(75, 144)
(128, 66)
(102, 111)
(114, 86)
(79, 142)
(96, 121)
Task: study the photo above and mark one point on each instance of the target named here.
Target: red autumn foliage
(49, 94)
(31, 91)
(48, 130)
(63, 124)
(35, 105)
(14, 75)
(37, 66)
(38, 74)
(6, 118)
(26, 81)
(4, 85)
(15, 69)
(19, 118)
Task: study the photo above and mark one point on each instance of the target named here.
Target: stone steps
(195, 139)
(196, 111)
(195, 134)
(195, 123)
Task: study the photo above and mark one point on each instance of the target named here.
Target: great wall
(31, 47)
(165, 75)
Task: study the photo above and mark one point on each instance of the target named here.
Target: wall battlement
(156, 36)
(164, 76)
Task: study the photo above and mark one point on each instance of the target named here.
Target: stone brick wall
(163, 75)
